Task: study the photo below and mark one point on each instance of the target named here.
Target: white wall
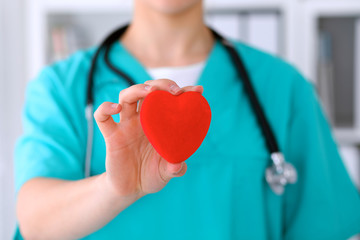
(12, 84)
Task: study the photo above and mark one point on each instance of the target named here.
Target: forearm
(58, 209)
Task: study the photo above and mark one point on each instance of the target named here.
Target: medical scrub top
(223, 194)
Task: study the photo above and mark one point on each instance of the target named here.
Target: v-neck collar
(132, 66)
(216, 76)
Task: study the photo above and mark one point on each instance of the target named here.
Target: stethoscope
(278, 175)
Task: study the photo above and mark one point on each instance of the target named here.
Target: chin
(170, 6)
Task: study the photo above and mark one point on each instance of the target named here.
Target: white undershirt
(183, 76)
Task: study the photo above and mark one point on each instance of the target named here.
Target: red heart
(175, 125)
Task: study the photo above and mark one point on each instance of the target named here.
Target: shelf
(42, 12)
(312, 10)
(332, 8)
(263, 5)
(298, 27)
(88, 6)
(83, 6)
(337, 78)
(347, 136)
(107, 4)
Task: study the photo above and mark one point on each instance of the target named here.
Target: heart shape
(175, 125)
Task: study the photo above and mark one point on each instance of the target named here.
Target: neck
(158, 39)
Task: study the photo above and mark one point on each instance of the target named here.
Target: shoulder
(284, 93)
(79, 59)
(272, 73)
(66, 71)
(62, 78)
(257, 60)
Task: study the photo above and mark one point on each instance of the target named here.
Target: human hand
(133, 167)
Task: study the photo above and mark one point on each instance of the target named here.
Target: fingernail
(147, 87)
(114, 105)
(181, 168)
(174, 88)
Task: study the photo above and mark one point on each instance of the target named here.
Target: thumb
(104, 119)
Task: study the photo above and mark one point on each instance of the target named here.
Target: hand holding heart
(133, 167)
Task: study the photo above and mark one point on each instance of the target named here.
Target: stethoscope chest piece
(280, 173)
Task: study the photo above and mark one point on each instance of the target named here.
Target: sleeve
(324, 203)
(52, 144)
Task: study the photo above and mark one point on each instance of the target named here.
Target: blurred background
(320, 37)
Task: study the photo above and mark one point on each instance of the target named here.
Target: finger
(129, 97)
(197, 88)
(104, 119)
(166, 85)
(168, 170)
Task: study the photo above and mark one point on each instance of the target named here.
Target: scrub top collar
(212, 78)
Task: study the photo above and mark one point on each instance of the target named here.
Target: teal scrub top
(223, 194)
